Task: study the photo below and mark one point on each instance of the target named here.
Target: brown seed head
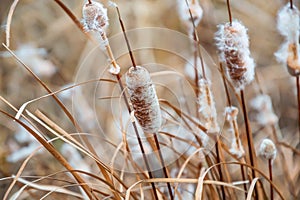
(144, 99)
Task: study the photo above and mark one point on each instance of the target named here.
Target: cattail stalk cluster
(95, 19)
(233, 45)
(288, 26)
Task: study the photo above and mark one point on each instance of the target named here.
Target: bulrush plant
(95, 19)
(233, 45)
(146, 106)
(208, 158)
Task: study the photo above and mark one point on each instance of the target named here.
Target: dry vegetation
(87, 107)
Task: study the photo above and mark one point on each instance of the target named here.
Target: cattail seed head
(207, 108)
(267, 149)
(184, 13)
(288, 22)
(262, 104)
(288, 25)
(144, 99)
(233, 45)
(231, 113)
(94, 17)
(114, 69)
(236, 148)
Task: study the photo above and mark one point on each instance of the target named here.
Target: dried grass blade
(45, 188)
(55, 153)
(9, 19)
(251, 188)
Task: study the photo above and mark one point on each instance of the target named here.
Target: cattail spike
(190, 9)
(207, 107)
(144, 99)
(288, 26)
(237, 148)
(267, 149)
(94, 17)
(233, 44)
(265, 114)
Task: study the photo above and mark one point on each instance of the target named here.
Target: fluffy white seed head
(114, 69)
(185, 16)
(233, 44)
(288, 22)
(263, 106)
(144, 99)
(94, 17)
(288, 25)
(231, 113)
(236, 148)
(207, 108)
(288, 54)
(267, 149)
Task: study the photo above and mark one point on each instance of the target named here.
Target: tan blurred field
(44, 37)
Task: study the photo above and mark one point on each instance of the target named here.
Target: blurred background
(47, 40)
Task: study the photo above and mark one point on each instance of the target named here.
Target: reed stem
(229, 11)
(126, 38)
(219, 168)
(249, 137)
(298, 101)
(163, 165)
(271, 179)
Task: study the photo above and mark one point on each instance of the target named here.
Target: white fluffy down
(265, 114)
(94, 17)
(207, 107)
(288, 25)
(233, 44)
(185, 16)
(288, 22)
(144, 99)
(267, 149)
